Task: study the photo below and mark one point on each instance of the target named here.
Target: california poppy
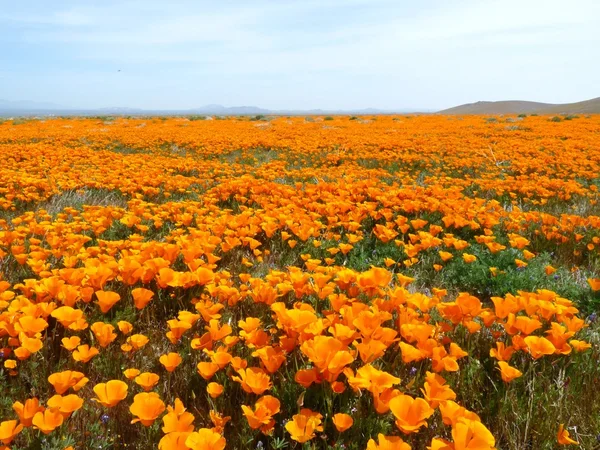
(109, 394)
(146, 406)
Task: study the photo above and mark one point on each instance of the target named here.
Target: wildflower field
(424, 282)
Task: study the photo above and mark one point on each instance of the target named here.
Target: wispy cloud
(377, 50)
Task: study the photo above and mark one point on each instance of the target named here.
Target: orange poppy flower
(30, 325)
(67, 315)
(27, 411)
(272, 358)
(563, 437)
(262, 415)
(207, 369)
(468, 258)
(342, 421)
(539, 346)
(65, 405)
(328, 354)
(9, 430)
(452, 412)
(137, 341)
(106, 300)
(178, 419)
(174, 441)
(218, 421)
(205, 439)
(579, 346)
(104, 333)
(130, 374)
(71, 343)
(84, 353)
(124, 326)
(410, 413)
(146, 406)
(303, 426)
(473, 434)
(214, 389)
(48, 420)
(109, 394)
(594, 284)
(253, 380)
(445, 256)
(501, 352)
(436, 390)
(387, 443)
(141, 297)
(62, 381)
(170, 361)
(508, 372)
(147, 380)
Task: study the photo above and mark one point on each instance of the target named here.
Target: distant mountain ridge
(523, 107)
(24, 108)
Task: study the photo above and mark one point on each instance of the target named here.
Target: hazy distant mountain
(119, 110)
(229, 111)
(522, 107)
(26, 108)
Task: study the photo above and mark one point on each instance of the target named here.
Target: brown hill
(522, 107)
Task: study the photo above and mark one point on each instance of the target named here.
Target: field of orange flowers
(423, 282)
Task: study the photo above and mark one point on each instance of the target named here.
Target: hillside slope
(523, 107)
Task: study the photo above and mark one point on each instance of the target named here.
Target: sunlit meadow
(386, 282)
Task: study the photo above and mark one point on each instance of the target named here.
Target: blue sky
(340, 54)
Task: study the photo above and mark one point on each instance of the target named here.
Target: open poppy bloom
(71, 343)
(174, 441)
(508, 372)
(594, 284)
(62, 381)
(253, 380)
(410, 413)
(104, 333)
(178, 419)
(84, 353)
(205, 439)
(262, 415)
(436, 390)
(27, 411)
(109, 394)
(472, 434)
(214, 389)
(9, 430)
(170, 361)
(141, 297)
(131, 373)
(147, 380)
(48, 420)
(124, 326)
(539, 346)
(387, 443)
(303, 426)
(342, 422)
(106, 300)
(65, 405)
(146, 406)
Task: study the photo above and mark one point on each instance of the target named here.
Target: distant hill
(25, 108)
(522, 107)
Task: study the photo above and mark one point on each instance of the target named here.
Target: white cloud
(420, 53)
